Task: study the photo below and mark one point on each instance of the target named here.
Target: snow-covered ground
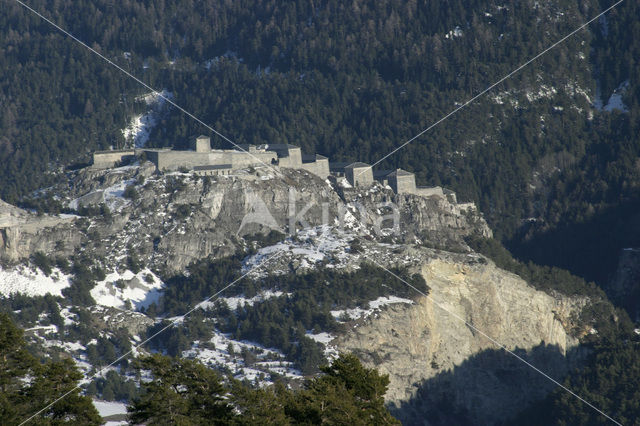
(615, 100)
(215, 353)
(321, 245)
(108, 409)
(113, 196)
(374, 305)
(235, 301)
(139, 128)
(141, 289)
(22, 280)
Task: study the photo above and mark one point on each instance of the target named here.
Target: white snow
(374, 305)
(135, 289)
(229, 54)
(544, 92)
(66, 346)
(107, 409)
(69, 317)
(615, 100)
(140, 126)
(22, 280)
(235, 301)
(323, 337)
(311, 247)
(456, 32)
(113, 196)
(267, 360)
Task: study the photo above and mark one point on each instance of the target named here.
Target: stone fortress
(202, 160)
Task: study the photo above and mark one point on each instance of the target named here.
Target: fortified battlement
(108, 159)
(204, 161)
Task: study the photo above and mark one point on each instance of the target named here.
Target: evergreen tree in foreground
(181, 392)
(185, 392)
(27, 385)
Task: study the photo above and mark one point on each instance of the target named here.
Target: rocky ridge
(168, 221)
(432, 340)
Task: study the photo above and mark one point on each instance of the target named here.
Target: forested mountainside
(551, 158)
(541, 153)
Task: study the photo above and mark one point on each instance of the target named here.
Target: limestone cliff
(432, 355)
(23, 233)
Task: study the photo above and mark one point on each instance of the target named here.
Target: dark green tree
(182, 392)
(27, 386)
(347, 393)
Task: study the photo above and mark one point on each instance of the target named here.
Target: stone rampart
(430, 191)
(319, 166)
(107, 159)
(170, 160)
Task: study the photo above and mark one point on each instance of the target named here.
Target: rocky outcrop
(23, 233)
(106, 318)
(434, 339)
(169, 221)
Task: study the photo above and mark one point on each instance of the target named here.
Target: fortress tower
(359, 174)
(201, 144)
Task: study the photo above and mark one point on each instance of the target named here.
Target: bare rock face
(23, 233)
(437, 351)
(113, 319)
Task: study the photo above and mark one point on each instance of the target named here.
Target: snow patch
(311, 247)
(139, 128)
(235, 301)
(28, 282)
(454, 33)
(113, 196)
(108, 409)
(323, 337)
(216, 354)
(116, 289)
(374, 305)
(615, 100)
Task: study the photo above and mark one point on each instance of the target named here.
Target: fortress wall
(288, 155)
(169, 160)
(320, 167)
(403, 184)
(427, 192)
(106, 159)
(174, 160)
(295, 157)
(292, 161)
(359, 176)
(241, 159)
(451, 196)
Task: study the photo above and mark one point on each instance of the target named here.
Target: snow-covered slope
(32, 282)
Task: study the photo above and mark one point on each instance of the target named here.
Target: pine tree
(182, 392)
(27, 385)
(347, 393)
